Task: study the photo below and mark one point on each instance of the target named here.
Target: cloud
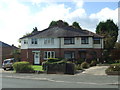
(106, 13)
(49, 13)
(16, 18)
(79, 3)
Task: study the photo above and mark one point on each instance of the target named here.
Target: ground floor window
(82, 55)
(49, 54)
(69, 54)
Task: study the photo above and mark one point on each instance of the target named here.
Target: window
(69, 40)
(49, 41)
(34, 41)
(49, 54)
(96, 40)
(69, 54)
(25, 42)
(84, 40)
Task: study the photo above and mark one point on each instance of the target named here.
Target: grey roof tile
(66, 31)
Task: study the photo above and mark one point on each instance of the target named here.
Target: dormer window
(34, 41)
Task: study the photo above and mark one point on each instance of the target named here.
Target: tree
(53, 23)
(117, 45)
(76, 25)
(35, 30)
(109, 30)
(59, 23)
(26, 34)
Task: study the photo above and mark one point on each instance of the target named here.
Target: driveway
(96, 70)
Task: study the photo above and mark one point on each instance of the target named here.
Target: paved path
(96, 70)
(93, 77)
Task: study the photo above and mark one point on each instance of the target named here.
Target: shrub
(84, 65)
(113, 67)
(80, 61)
(22, 67)
(117, 61)
(51, 61)
(78, 67)
(93, 63)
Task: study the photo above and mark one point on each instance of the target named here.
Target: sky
(18, 17)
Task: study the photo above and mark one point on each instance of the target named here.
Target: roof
(2, 44)
(94, 34)
(66, 31)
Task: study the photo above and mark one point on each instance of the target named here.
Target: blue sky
(19, 17)
(94, 7)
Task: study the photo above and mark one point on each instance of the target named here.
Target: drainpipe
(101, 48)
(60, 47)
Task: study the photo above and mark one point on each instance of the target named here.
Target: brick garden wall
(115, 54)
(5, 52)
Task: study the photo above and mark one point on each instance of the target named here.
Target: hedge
(22, 67)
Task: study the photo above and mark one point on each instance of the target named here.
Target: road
(58, 81)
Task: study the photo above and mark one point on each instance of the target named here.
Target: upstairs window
(49, 41)
(68, 41)
(25, 42)
(96, 40)
(34, 41)
(84, 40)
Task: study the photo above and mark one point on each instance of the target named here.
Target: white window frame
(69, 40)
(47, 52)
(25, 42)
(34, 41)
(84, 40)
(71, 53)
(96, 40)
(48, 41)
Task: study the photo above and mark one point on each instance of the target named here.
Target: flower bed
(113, 69)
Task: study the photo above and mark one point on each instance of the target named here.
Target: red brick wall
(115, 54)
(6, 52)
(59, 53)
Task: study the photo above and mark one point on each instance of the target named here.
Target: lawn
(116, 64)
(37, 67)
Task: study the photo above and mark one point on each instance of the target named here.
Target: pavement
(92, 76)
(95, 70)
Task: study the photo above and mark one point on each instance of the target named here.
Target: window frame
(72, 56)
(71, 40)
(48, 41)
(96, 40)
(34, 41)
(46, 54)
(25, 42)
(84, 40)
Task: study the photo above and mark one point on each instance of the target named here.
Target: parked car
(8, 63)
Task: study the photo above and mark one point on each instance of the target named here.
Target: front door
(36, 58)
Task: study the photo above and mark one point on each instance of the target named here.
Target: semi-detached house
(61, 41)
